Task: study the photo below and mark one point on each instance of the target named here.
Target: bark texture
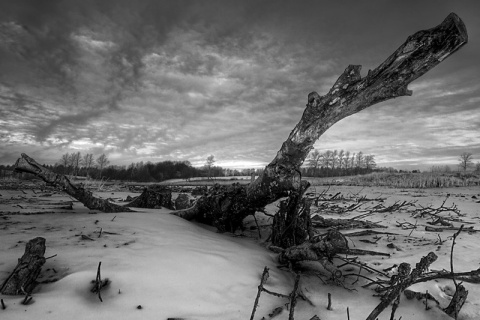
(292, 224)
(153, 197)
(27, 164)
(23, 278)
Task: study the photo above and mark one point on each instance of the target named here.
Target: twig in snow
(461, 293)
(329, 307)
(98, 284)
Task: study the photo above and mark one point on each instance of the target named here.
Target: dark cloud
(184, 79)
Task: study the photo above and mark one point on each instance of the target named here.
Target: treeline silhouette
(338, 163)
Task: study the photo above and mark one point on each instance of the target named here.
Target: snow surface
(174, 268)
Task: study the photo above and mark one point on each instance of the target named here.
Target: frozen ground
(178, 269)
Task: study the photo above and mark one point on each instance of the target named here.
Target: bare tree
(370, 161)
(76, 161)
(465, 161)
(334, 159)
(346, 160)
(209, 164)
(340, 156)
(102, 162)
(88, 161)
(314, 160)
(360, 161)
(352, 160)
(477, 167)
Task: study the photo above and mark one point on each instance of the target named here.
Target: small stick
(3, 305)
(258, 228)
(293, 297)
(394, 307)
(348, 313)
(100, 234)
(27, 300)
(414, 227)
(114, 218)
(329, 307)
(51, 257)
(426, 301)
(260, 289)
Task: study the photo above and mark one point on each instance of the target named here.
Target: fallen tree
(225, 207)
(350, 94)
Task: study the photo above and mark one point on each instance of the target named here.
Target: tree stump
(23, 278)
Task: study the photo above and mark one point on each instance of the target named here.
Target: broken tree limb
(403, 280)
(23, 278)
(27, 164)
(316, 249)
(321, 222)
(457, 302)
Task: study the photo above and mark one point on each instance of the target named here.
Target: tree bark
(153, 197)
(292, 224)
(23, 278)
(27, 164)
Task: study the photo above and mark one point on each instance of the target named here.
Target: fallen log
(23, 278)
(29, 165)
(321, 222)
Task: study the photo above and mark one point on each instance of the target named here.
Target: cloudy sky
(180, 80)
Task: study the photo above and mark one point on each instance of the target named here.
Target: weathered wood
(457, 302)
(316, 249)
(23, 278)
(153, 197)
(321, 222)
(27, 164)
(292, 224)
(350, 94)
(401, 282)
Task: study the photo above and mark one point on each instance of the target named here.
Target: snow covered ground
(173, 268)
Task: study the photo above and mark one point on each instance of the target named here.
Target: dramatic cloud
(157, 80)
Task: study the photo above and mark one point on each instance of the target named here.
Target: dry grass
(414, 180)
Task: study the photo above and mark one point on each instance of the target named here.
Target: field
(163, 267)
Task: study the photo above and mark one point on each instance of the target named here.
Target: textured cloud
(155, 80)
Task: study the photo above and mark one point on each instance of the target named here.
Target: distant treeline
(86, 166)
(338, 163)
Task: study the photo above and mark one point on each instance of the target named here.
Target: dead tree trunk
(27, 164)
(226, 207)
(23, 278)
(350, 94)
(292, 224)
